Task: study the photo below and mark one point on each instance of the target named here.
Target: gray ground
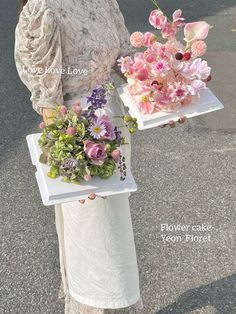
(189, 178)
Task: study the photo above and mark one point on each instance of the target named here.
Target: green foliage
(65, 153)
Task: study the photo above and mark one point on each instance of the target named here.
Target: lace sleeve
(123, 33)
(38, 54)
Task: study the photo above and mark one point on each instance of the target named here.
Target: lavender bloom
(97, 99)
(90, 115)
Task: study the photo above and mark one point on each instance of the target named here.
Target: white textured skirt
(97, 249)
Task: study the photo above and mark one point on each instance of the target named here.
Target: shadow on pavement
(220, 294)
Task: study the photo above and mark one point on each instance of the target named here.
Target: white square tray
(206, 103)
(54, 191)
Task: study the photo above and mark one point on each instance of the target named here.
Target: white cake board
(54, 191)
(205, 104)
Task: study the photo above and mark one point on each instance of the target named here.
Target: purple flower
(118, 134)
(90, 115)
(96, 152)
(69, 163)
(97, 99)
(109, 127)
(97, 130)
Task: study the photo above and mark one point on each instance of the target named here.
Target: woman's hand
(91, 197)
(172, 123)
(48, 115)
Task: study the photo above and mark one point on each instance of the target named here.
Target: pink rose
(109, 128)
(157, 19)
(196, 31)
(96, 152)
(198, 48)
(136, 39)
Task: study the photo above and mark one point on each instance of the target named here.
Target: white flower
(196, 86)
(198, 69)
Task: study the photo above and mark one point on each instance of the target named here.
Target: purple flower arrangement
(79, 144)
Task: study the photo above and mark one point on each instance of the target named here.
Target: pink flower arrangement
(169, 74)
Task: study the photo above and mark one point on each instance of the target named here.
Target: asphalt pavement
(185, 175)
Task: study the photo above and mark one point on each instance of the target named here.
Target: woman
(64, 49)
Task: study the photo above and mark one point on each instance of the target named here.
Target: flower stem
(155, 3)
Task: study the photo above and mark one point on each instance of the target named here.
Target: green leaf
(43, 158)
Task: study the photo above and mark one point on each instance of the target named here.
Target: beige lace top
(65, 47)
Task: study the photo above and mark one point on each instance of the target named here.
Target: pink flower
(198, 48)
(158, 49)
(87, 177)
(173, 46)
(157, 19)
(63, 110)
(136, 39)
(71, 131)
(139, 61)
(109, 128)
(196, 31)
(177, 18)
(160, 68)
(96, 152)
(42, 125)
(149, 39)
(169, 31)
(142, 75)
(144, 105)
(150, 57)
(196, 86)
(77, 108)
(177, 92)
(125, 63)
(116, 155)
(198, 69)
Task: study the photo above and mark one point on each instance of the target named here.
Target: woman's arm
(37, 52)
